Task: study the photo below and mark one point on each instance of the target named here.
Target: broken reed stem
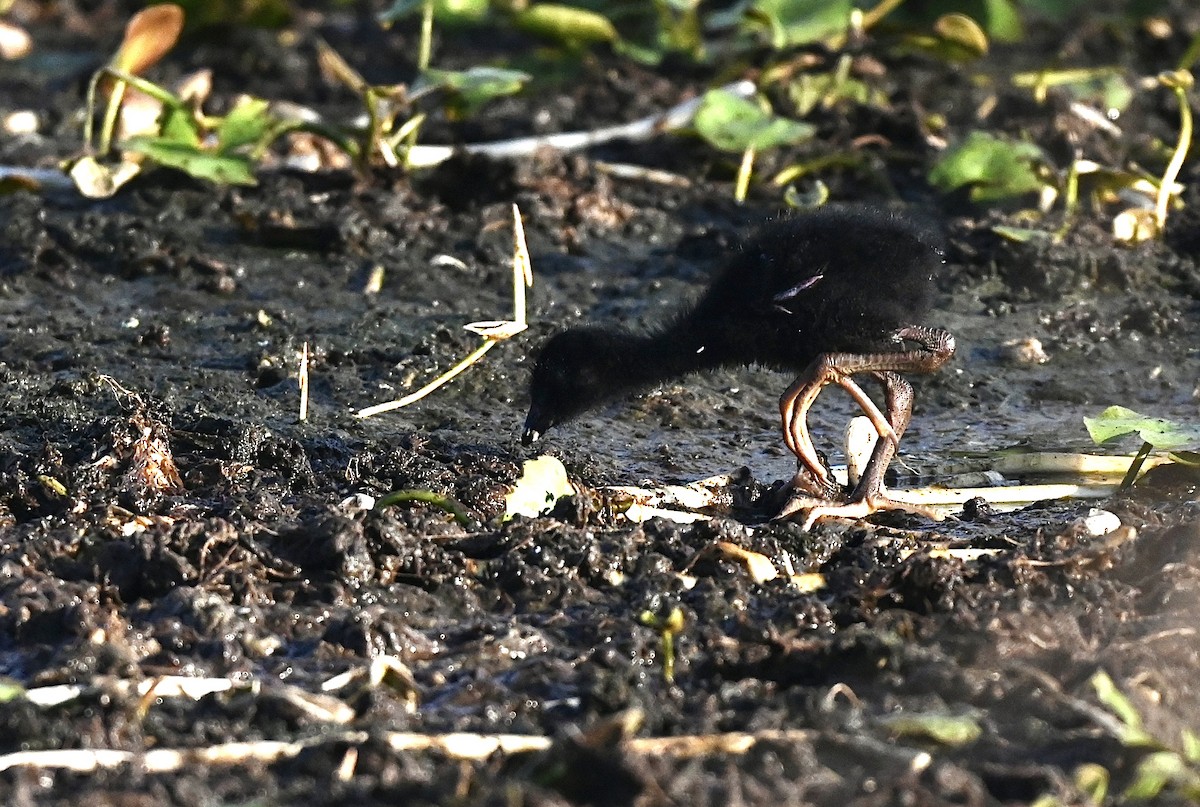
(464, 746)
(303, 380)
(522, 267)
(642, 129)
(449, 375)
(492, 332)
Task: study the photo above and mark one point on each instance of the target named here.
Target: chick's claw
(814, 509)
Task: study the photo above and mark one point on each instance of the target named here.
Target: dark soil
(163, 511)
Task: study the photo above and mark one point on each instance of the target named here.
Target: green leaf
(801, 22)
(477, 85)
(1021, 235)
(1092, 780)
(220, 168)
(808, 90)
(10, 689)
(246, 124)
(1117, 421)
(1002, 21)
(733, 123)
(1155, 772)
(952, 730)
(565, 24)
(994, 168)
(956, 38)
(679, 29)
(1191, 745)
(999, 18)
(179, 125)
(543, 482)
(964, 32)
(1104, 86)
(1123, 708)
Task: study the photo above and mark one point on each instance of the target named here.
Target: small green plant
(392, 121)
(787, 23)
(1181, 440)
(668, 628)
(1107, 88)
(222, 148)
(227, 148)
(992, 167)
(1163, 768)
(1166, 766)
(149, 35)
(733, 123)
(954, 38)
(384, 105)
(1104, 86)
(952, 730)
(467, 90)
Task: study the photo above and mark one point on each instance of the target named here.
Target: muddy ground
(167, 322)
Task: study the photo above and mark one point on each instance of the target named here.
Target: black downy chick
(827, 294)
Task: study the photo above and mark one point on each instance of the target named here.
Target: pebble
(1100, 522)
(21, 122)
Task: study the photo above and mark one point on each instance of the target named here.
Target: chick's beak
(534, 427)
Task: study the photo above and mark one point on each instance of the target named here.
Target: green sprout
(668, 628)
(945, 729)
(464, 90)
(439, 500)
(149, 35)
(467, 90)
(383, 105)
(1165, 765)
(956, 38)
(1180, 81)
(222, 149)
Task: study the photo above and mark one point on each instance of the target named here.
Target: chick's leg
(819, 498)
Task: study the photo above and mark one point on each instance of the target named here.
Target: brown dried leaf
(148, 36)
